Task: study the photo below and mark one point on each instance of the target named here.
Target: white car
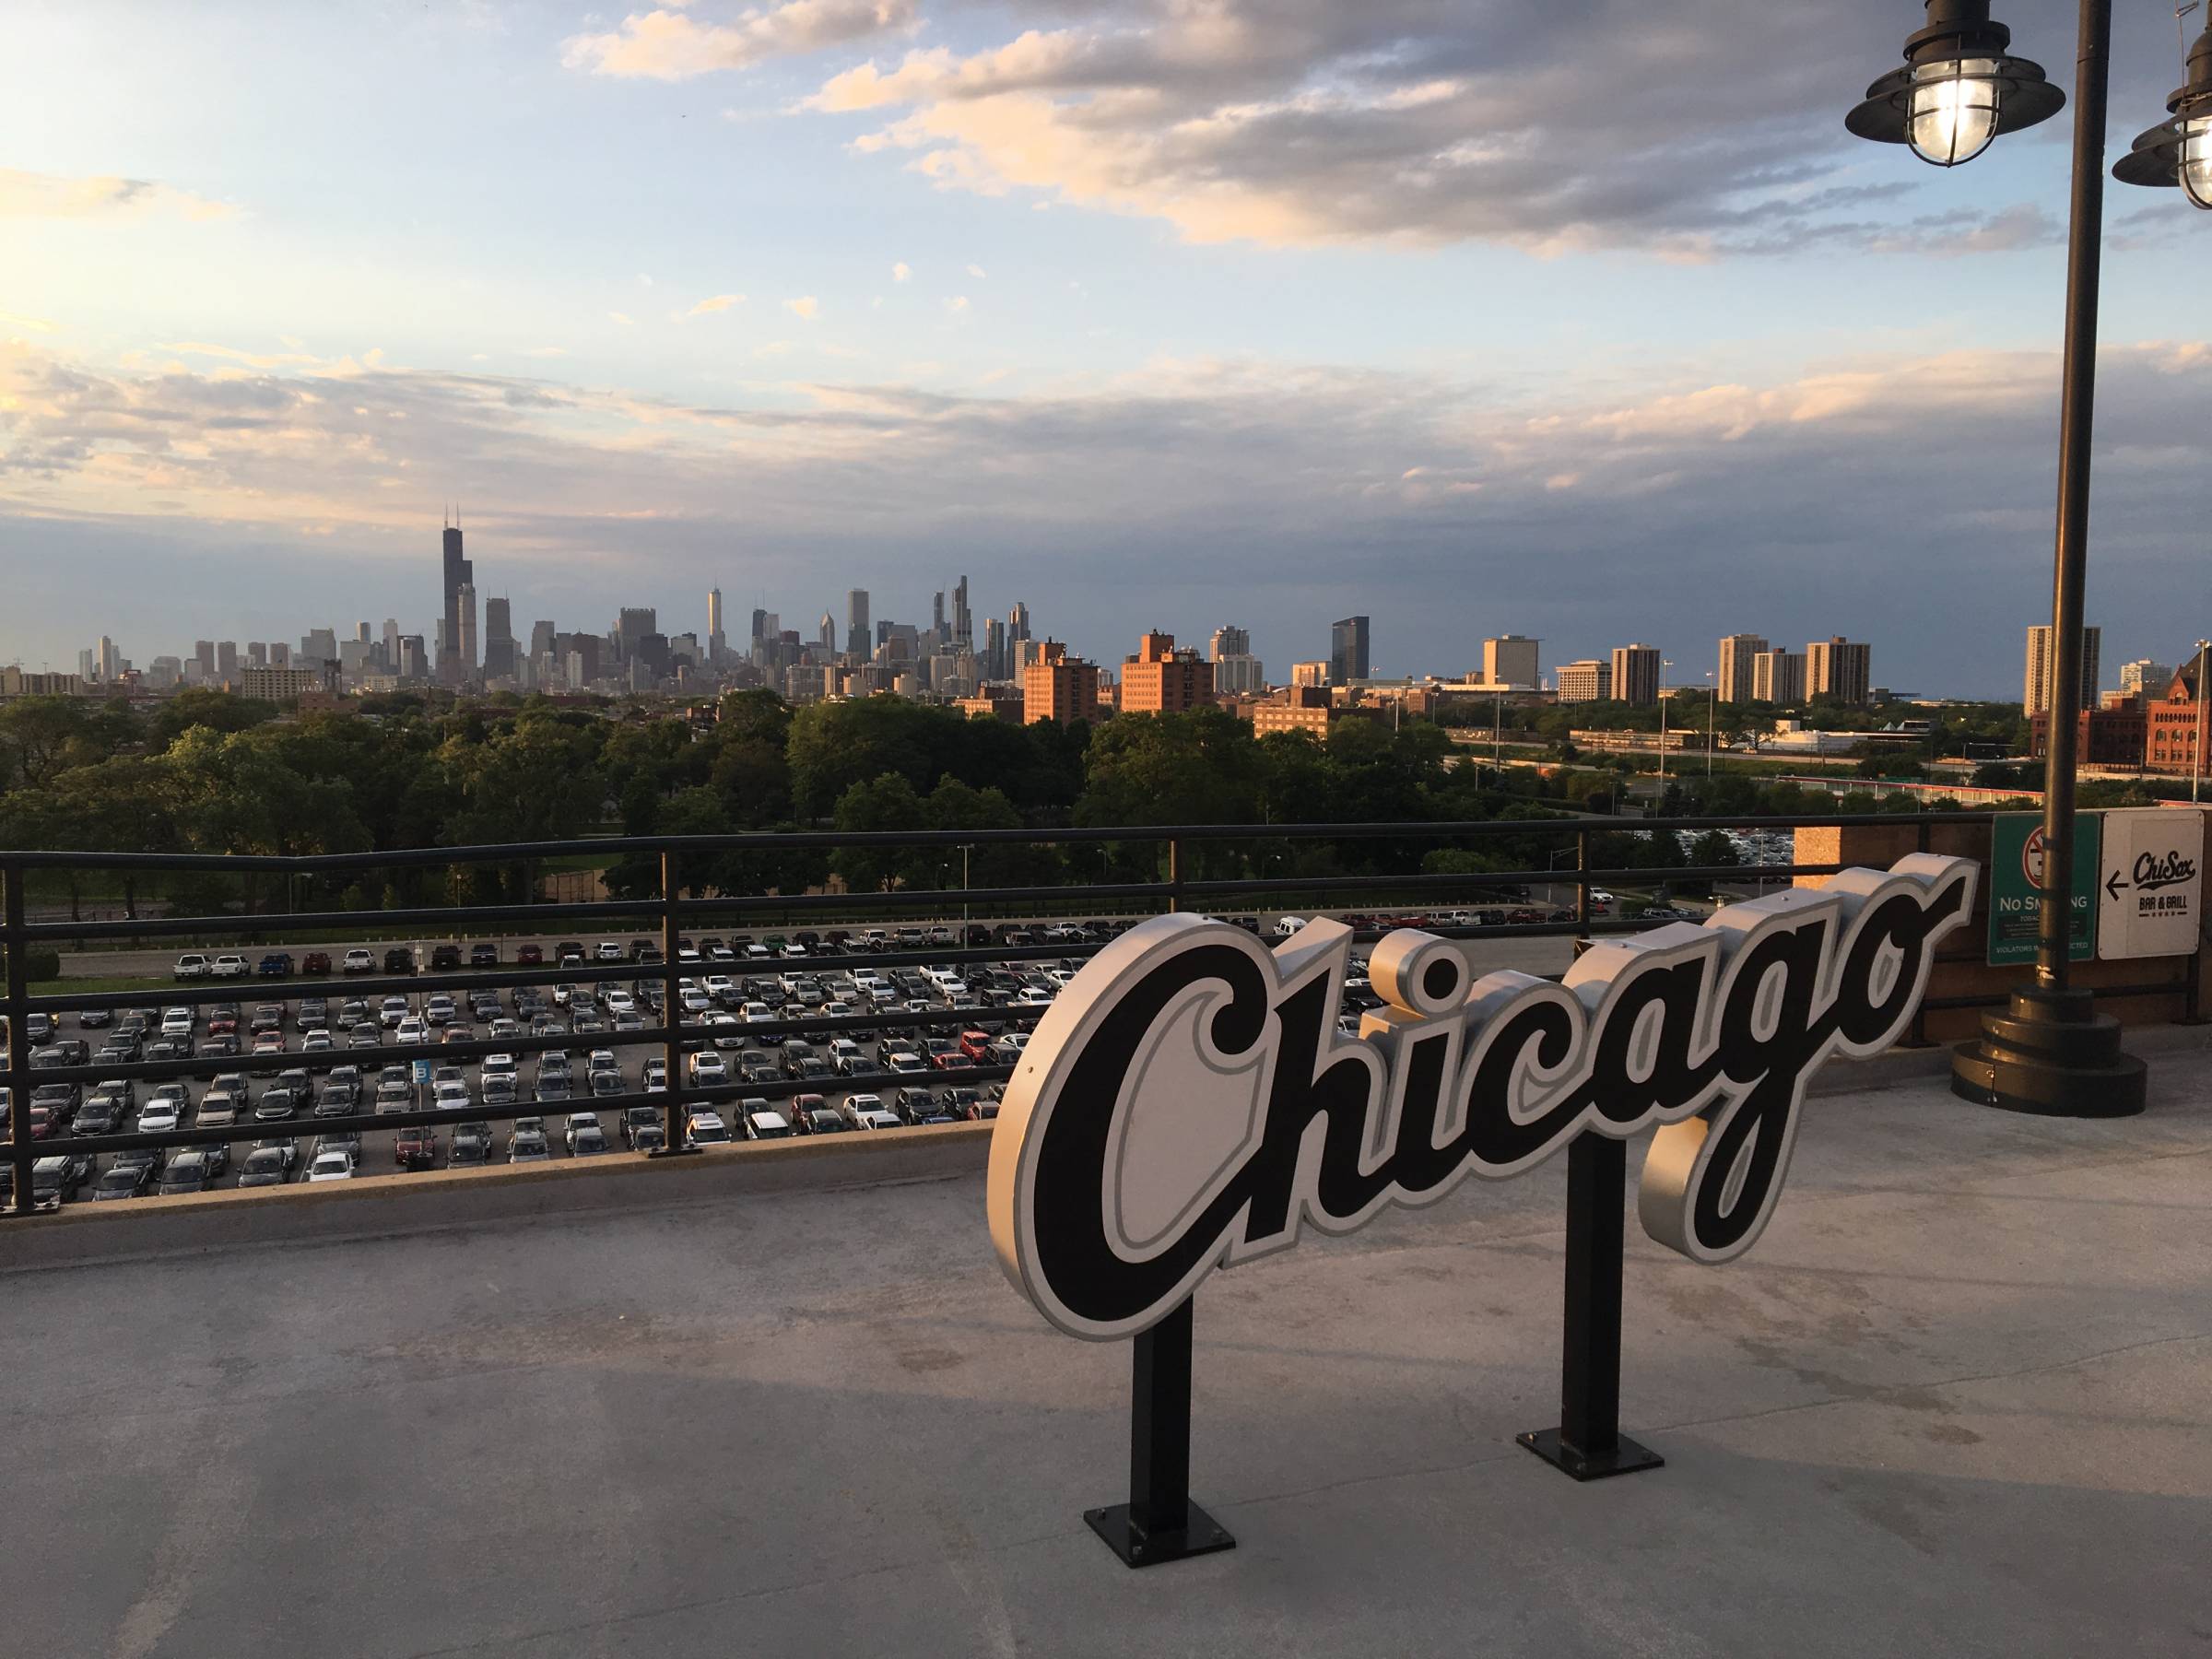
(868, 1111)
(391, 1011)
(757, 1012)
(360, 961)
(621, 1002)
(229, 967)
(177, 1022)
(708, 1069)
(333, 1165)
(768, 1125)
(707, 1129)
(1006, 1050)
(411, 1030)
(159, 1115)
(608, 951)
(192, 966)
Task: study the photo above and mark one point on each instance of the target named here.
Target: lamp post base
(2049, 1053)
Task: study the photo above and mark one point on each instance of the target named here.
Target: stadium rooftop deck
(1959, 1400)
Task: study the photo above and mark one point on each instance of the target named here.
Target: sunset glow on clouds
(1435, 309)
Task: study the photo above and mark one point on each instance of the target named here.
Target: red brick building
(2176, 725)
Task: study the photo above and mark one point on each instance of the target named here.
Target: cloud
(547, 351)
(1693, 130)
(624, 322)
(901, 272)
(1883, 496)
(715, 302)
(976, 271)
(957, 304)
(35, 325)
(57, 196)
(807, 306)
(670, 45)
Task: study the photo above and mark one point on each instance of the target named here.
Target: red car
(417, 1148)
(530, 955)
(316, 961)
(976, 1045)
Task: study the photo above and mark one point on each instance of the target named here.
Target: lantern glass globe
(1953, 113)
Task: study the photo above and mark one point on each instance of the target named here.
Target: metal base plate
(2048, 1088)
(1626, 1458)
(1202, 1536)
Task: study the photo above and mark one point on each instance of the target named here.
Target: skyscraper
(1736, 652)
(225, 659)
(498, 640)
(2042, 670)
(963, 624)
(716, 640)
(827, 637)
(859, 632)
(458, 573)
(936, 613)
(465, 651)
(203, 651)
(2146, 675)
(1347, 651)
(1017, 623)
(759, 626)
(1229, 642)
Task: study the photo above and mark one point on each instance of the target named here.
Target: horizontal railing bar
(307, 863)
(389, 924)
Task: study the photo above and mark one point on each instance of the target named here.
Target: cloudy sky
(1577, 318)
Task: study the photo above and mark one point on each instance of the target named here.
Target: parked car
(530, 955)
(472, 1143)
(417, 1148)
(315, 962)
(192, 1170)
(277, 964)
(359, 962)
(193, 965)
(483, 956)
(269, 1164)
(868, 1111)
(228, 966)
(400, 958)
(333, 1163)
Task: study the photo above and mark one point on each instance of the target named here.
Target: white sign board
(2150, 889)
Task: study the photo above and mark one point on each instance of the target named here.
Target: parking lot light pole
(675, 1144)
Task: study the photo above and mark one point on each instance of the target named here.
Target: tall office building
(1838, 670)
(1347, 651)
(1736, 652)
(1778, 677)
(464, 649)
(1229, 642)
(203, 652)
(2042, 670)
(759, 626)
(1512, 660)
(716, 640)
(542, 633)
(225, 659)
(1636, 673)
(498, 640)
(280, 654)
(963, 622)
(1018, 622)
(257, 654)
(992, 666)
(1589, 680)
(391, 645)
(321, 643)
(2145, 678)
(826, 638)
(458, 573)
(859, 630)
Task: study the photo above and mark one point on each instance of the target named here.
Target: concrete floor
(1957, 1400)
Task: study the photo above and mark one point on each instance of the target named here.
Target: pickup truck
(417, 1148)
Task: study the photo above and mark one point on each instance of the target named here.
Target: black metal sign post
(1588, 1443)
(1160, 1522)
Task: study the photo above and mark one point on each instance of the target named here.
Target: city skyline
(693, 300)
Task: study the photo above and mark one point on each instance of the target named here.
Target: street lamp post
(2050, 1052)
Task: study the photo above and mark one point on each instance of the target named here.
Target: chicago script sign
(1188, 1101)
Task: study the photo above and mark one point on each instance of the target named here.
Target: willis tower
(460, 578)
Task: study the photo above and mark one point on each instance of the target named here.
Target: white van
(1285, 926)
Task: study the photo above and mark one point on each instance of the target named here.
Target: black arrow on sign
(2112, 885)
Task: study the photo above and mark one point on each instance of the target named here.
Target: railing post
(674, 1143)
(22, 1149)
(1588, 1443)
(1174, 874)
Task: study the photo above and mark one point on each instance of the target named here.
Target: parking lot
(289, 1035)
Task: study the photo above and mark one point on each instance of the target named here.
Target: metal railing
(674, 917)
